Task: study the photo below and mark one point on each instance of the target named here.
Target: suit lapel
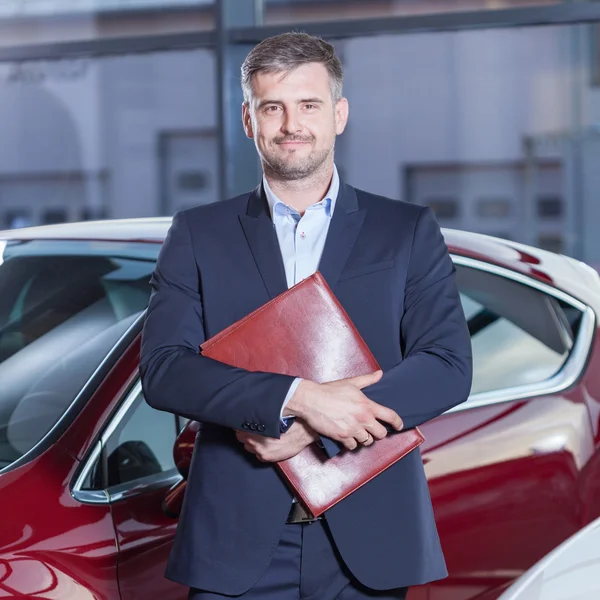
(262, 239)
(344, 229)
(343, 232)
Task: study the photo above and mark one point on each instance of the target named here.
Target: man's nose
(291, 123)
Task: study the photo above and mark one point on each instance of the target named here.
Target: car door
(137, 469)
(504, 468)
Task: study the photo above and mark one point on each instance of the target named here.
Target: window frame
(122, 491)
(567, 375)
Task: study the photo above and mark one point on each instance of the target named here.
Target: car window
(63, 307)
(519, 335)
(141, 445)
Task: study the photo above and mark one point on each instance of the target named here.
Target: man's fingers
(370, 440)
(363, 381)
(364, 438)
(377, 430)
(388, 416)
(350, 443)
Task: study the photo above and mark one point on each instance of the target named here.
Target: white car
(570, 572)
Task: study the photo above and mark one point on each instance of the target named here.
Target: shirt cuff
(290, 393)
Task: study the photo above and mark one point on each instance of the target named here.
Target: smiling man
(241, 533)
(294, 116)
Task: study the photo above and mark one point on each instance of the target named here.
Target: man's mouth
(293, 142)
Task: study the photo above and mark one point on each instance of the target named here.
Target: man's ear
(247, 120)
(341, 115)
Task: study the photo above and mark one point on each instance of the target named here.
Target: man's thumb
(363, 381)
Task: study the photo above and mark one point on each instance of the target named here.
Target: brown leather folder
(305, 332)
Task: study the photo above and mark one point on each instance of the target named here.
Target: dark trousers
(306, 566)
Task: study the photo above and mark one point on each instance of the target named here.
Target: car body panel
(145, 535)
(51, 545)
(512, 471)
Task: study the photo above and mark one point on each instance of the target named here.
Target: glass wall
(24, 22)
(294, 11)
(496, 129)
(112, 137)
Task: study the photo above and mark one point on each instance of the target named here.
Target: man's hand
(267, 449)
(340, 410)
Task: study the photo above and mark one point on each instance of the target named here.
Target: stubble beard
(292, 168)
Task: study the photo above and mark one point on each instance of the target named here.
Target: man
(240, 531)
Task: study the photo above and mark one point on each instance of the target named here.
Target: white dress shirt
(301, 238)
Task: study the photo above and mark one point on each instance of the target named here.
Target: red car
(86, 464)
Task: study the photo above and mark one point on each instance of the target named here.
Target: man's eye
(272, 108)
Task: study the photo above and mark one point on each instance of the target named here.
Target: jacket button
(261, 427)
(246, 425)
(253, 426)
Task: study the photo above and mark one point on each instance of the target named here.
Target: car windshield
(63, 306)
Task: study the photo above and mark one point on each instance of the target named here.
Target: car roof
(146, 230)
(558, 270)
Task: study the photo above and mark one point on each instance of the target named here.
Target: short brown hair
(286, 52)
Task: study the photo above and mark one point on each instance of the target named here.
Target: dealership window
(109, 136)
(519, 335)
(550, 207)
(504, 121)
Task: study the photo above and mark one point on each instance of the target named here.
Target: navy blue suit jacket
(387, 263)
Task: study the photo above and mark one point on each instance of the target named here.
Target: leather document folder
(305, 332)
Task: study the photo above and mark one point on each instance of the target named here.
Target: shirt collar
(330, 196)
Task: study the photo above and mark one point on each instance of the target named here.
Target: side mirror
(184, 447)
(131, 460)
(182, 455)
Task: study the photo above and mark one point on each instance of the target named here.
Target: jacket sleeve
(436, 371)
(175, 376)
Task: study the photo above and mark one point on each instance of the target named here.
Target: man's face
(293, 120)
